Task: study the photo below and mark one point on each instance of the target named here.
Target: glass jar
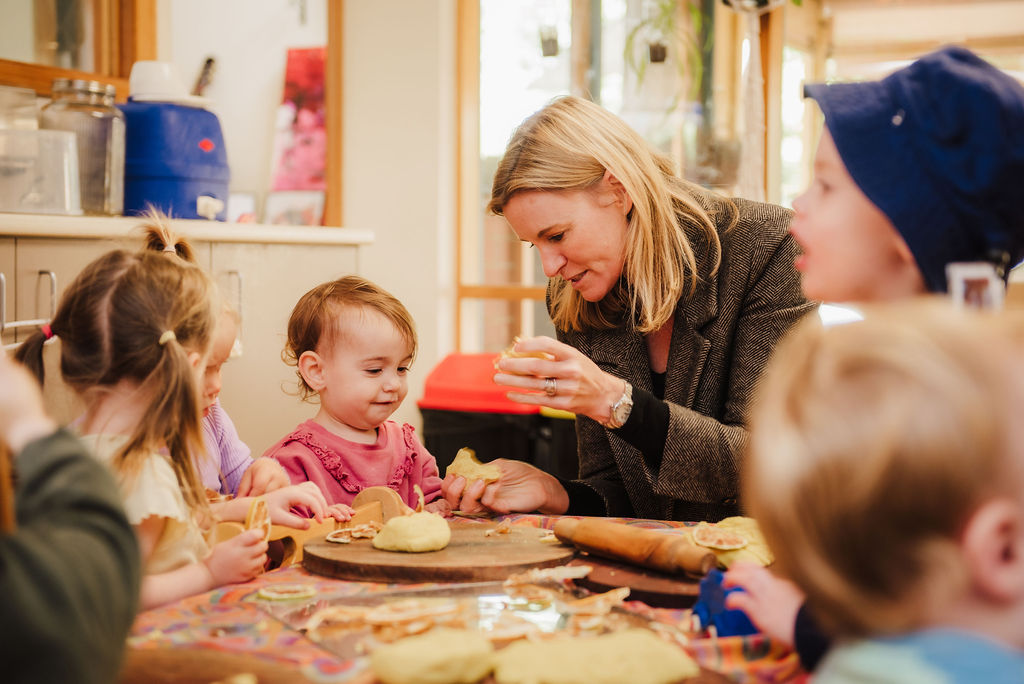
(87, 109)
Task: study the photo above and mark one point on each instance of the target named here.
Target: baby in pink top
(352, 344)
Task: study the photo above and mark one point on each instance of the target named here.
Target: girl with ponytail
(135, 332)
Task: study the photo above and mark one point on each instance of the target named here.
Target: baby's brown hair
(315, 320)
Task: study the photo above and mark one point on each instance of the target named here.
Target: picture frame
(294, 207)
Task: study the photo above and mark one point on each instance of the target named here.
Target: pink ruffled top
(342, 469)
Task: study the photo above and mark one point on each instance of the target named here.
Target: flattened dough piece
(441, 656)
(468, 466)
(637, 656)
(414, 533)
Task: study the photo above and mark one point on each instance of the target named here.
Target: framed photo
(242, 208)
(294, 207)
(975, 285)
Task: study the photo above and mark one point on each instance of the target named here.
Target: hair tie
(47, 330)
(171, 248)
(167, 337)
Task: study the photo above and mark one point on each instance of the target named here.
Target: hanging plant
(549, 40)
(660, 30)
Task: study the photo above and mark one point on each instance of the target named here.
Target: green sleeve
(70, 574)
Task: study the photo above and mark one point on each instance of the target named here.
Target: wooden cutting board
(650, 586)
(471, 556)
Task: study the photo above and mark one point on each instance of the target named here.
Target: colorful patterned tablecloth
(230, 619)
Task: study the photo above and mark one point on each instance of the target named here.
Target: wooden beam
(501, 292)
(896, 50)
(579, 50)
(136, 25)
(333, 107)
(40, 78)
(467, 158)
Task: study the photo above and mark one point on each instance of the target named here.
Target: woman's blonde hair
(871, 445)
(568, 145)
(315, 323)
(137, 316)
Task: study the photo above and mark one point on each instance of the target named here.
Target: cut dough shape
(414, 533)
(441, 656)
(468, 466)
(637, 656)
(258, 517)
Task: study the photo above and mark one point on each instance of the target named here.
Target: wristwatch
(621, 409)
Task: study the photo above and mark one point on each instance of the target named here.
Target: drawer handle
(35, 322)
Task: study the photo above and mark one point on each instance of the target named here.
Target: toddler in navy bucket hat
(938, 149)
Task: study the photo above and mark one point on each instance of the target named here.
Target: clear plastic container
(39, 172)
(87, 109)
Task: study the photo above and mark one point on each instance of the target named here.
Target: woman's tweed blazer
(721, 339)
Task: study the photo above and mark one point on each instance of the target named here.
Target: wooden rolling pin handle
(646, 548)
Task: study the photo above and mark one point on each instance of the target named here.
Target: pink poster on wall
(300, 137)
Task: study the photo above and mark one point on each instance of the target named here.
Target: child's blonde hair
(159, 236)
(872, 443)
(138, 316)
(315, 320)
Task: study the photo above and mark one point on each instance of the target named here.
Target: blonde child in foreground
(135, 332)
(353, 344)
(228, 467)
(887, 472)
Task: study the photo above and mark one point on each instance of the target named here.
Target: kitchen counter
(117, 227)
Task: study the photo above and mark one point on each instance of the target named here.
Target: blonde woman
(667, 301)
(887, 473)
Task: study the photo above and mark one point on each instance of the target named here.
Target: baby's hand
(439, 506)
(238, 559)
(340, 512)
(770, 602)
(264, 475)
(304, 496)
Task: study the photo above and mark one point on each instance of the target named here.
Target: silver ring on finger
(550, 386)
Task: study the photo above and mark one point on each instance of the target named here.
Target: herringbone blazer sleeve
(722, 338)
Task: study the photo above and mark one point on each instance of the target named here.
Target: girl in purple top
(352, 344)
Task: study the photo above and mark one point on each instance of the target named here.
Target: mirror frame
(125, 31)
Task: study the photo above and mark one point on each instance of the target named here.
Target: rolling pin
(667, 553)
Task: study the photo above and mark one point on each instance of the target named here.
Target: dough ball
(440, 656)
(414, 533)
(637, 656)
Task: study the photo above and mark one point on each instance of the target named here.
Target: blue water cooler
(175, 161)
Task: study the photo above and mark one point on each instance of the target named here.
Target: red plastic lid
(465, 382)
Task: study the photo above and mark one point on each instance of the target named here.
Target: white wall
(399, 131)
(399, 161)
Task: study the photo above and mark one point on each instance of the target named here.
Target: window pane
(489, 325)
(524, 62)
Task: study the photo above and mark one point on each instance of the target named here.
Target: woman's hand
(522, 488)
(439, 506)
(569, 380)
(771, 603)
(305, 495)
(238, 559)
(264, 475)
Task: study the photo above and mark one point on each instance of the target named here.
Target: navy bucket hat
(938, 147)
